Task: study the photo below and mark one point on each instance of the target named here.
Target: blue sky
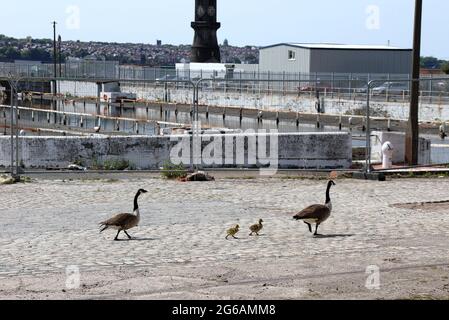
(252, 22)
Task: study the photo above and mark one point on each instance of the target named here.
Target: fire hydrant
(387, 155)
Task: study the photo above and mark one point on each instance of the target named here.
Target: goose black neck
(136, 205)
(328, 197)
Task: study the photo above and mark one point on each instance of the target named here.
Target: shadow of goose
(136, 239)
(332, 236)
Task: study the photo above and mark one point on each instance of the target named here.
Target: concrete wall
(395, 110)
(78, 88)
(301, 150)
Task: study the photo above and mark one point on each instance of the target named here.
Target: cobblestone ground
(180, 251)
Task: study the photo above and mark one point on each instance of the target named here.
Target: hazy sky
(244, 22)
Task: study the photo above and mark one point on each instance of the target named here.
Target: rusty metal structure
(205, 47)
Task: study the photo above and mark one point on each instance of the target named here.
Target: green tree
(36, 54)
(430, 62)
(445, 67)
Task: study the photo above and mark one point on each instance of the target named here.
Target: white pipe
(387, 155)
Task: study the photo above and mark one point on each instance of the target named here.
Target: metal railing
(330, 85)
(201, 84)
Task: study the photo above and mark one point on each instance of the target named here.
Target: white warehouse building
(335, 58)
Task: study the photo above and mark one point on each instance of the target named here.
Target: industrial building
(335, 58)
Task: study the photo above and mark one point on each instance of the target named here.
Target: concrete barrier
(248, 150)
(276, 101)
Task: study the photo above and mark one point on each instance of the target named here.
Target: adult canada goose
(124, 221)
(233, 231)
(255, 229)
(317, 214)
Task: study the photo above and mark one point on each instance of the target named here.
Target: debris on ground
(4, 179)
(199, 176)
(7, 179)
(76, 167)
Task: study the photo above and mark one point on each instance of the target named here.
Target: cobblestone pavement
(180, 249)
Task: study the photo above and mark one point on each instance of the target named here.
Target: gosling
(233, 231)
(255, 229)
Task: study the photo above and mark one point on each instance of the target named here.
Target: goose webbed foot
(116, 237)
(129, 237)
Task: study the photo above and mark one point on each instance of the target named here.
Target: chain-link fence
(330, 85)
(234, 111)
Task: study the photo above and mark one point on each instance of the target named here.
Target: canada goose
(233, 231)
(317, 214)
(124, 221)
(255, 229)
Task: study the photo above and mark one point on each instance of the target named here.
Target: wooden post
(412, 138)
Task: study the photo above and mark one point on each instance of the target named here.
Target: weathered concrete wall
(78, 88)
(299, 150)
(306, 104)
(264, 101)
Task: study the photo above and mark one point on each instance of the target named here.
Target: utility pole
(412, 138)
(55, 74)
(55, 54)
(60, 55)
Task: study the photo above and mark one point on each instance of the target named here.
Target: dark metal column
(205, 47)
(55, 54)
(412, 138)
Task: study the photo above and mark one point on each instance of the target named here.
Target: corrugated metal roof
(333, 46)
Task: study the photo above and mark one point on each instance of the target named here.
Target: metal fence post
(269, 84)
(12, 129)
(431, 88)
(387, 91)
(332, 84)
(17, 137)
(240, 82)
(283, 83)
(350, 86)
(368, 129)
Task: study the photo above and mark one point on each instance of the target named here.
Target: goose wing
(121, 219)
(316, 211)
(255, 228)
